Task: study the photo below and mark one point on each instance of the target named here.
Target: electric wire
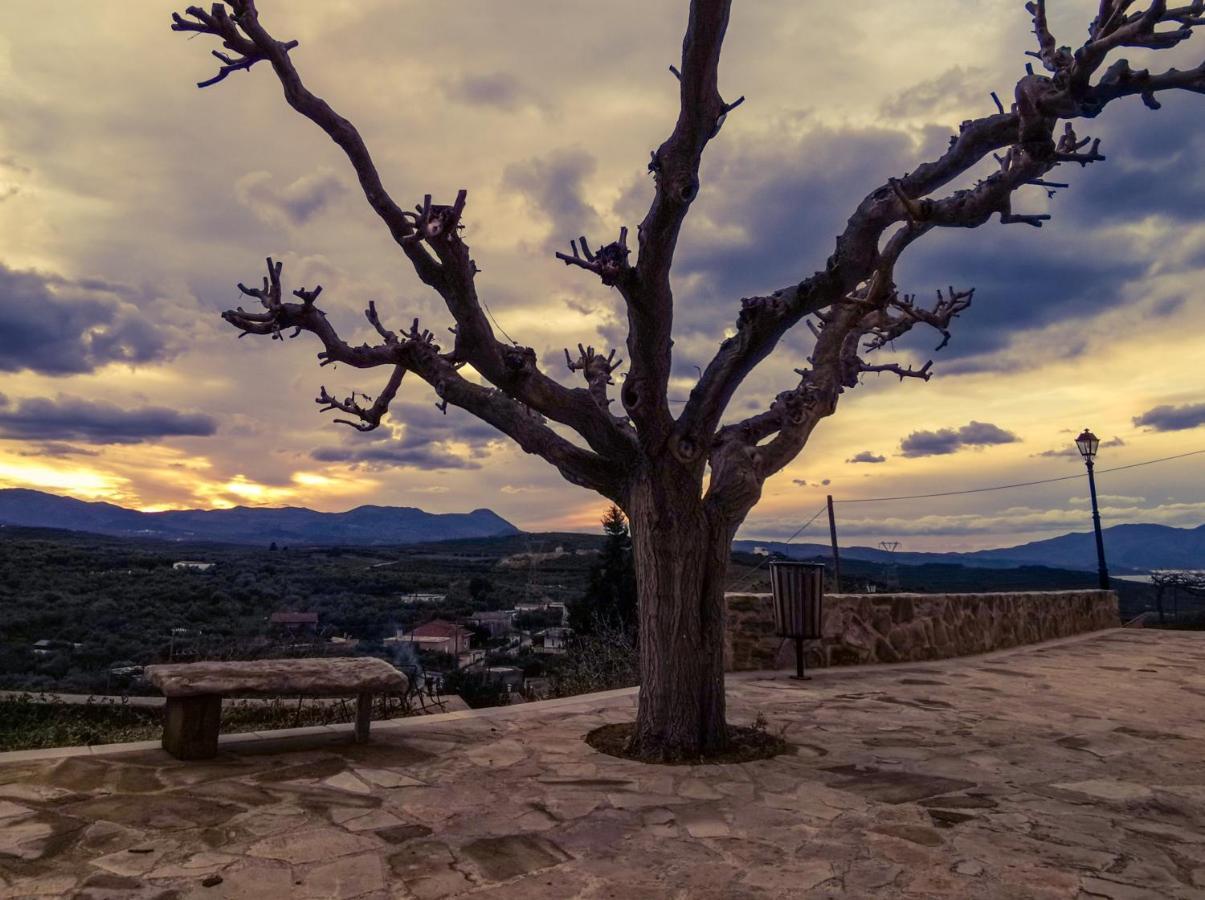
(496, 323)
(1004, 487)
(998, 487)
(798, 531)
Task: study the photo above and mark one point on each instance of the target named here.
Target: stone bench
(194, 693)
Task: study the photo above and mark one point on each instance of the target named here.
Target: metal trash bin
(798, 589)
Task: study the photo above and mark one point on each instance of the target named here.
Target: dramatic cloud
(554, 185)
(56, 450)
(1172, 418)
(866, 456)
(496, 90)
(953, 90)
(393, 455)
(949, 440)
(1064, 278)
(428, 440)
(74, 419)
(424, 424)
(1072, 452)
(55, 326)
(766, 220)
(1147, 174)
(293, 204)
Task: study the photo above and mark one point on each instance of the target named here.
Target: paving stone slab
(512, 855)
(310, 845)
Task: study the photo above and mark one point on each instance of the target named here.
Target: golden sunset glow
(78, 482)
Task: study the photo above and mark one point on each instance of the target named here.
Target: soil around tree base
(745, 744)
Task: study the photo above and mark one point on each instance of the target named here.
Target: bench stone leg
(363, 716)
(190, 726)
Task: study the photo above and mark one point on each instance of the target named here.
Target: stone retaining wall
(876, 628)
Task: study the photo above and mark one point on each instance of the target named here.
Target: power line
(1152, 461)
(798, 531)
(998, 487)
(497, 325)
(1004, 487)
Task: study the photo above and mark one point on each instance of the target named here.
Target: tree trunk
(681, 554)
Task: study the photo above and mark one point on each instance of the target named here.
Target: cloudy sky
(131, 203)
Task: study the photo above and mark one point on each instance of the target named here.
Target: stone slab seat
(194, 692)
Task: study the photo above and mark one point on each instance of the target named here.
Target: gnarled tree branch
(429, 237)
(1027, 135)
(675, 169)
(369, 416)
(417, 352)
(609, 262)
(596, 369)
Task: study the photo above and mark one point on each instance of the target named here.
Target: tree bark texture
(681, 552)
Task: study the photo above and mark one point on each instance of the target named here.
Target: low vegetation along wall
(879, 628)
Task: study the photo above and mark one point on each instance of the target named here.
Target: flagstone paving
(1066, 770)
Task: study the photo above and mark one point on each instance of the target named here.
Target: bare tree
(688, 482)
(1191, 581)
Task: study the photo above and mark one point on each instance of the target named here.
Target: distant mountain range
(1128, 549)
(363, 525)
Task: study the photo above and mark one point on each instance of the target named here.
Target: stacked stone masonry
(881, 628)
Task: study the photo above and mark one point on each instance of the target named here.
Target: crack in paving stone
(948, 818)
(960, 802)
(1011, 673)
(892, 786)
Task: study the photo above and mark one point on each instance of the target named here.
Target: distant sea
(1146, 579)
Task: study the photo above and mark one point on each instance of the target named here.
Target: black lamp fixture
(798, 589)
(1088, 444)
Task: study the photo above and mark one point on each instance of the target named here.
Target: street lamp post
(1088, 443)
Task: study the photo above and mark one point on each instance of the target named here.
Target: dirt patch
(745, 744)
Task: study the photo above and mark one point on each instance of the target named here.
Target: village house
(552, 640)
(289, 620)
(498, 623)
(191, 565)
(47, 646)
(423, 598)
(544, 604)
(511, 677)
(470, 658)
(439, 635)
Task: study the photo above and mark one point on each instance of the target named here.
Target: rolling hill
(1128, 548)
(364, 525)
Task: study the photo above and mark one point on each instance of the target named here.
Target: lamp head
(1088, 443)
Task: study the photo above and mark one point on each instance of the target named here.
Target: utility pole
(832, 533)
(893, 569)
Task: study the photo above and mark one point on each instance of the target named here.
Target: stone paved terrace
(1070, 769)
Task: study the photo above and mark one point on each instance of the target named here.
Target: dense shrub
(600, 661)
